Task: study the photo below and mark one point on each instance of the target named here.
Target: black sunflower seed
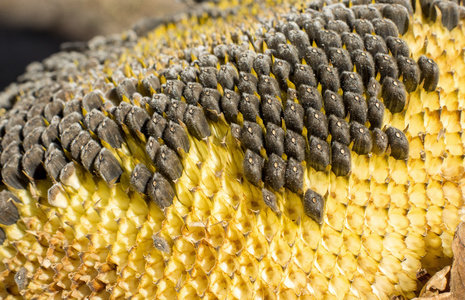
(294, 145)
(449, 12)
(91, 101)
(220, 51)
(72, 106)
(398, 47)
(274, 39)
(294, 176)
(175, 111)
(210, 101)
(334, 104)
(364, 64)
(366, 12)
(339, 130)
(176, 137)
(173, 88)
(373, 88)
(275, 171)
(386, 66)
(189, 74)
(268, 86)
(316, 123)
(107, 166)
(245, 61)
(380, 141)
(80, 141)
(375, 113)
(55, 161)
(356, 106)
(192, 92)
(14, 134)
(126, 89)
(156, 125)
(375, 44)
(15, 120)
(140, 178)
(160, 191)
(262, 65)
(249, 106)
(109, 131)
(315, 57)
(37, 109)
(352, 41)
(135, 119)
(152, 147)
(172, 72)
(151, 84)
(300, 41)
(318, 156)
(385, 28)
(294, 116)
(230, 105)
(253, 166)
(398, 143)
(54, 108)
(207, 77)
(68, 120)
(340, 159)
(252, 136)
(309, 97)
(10, 150)
(328, 39)
(236, 131)
(208, 60)
(2, 236)
(394, 95)
(410, 72)
(329, 78)
(119, 112)
(352, 82)
(197, 123)
(429, 73)
(340, 59)
(158, 103)
(360, 136)
(93, 119)
(314, 205)
(33, 138)
(399, 15)
(69, 135)
(270, 200)
(271, 109)
(303, 74)
(168, 163)
(281, 70)
(50, 134)
(88, 154)
(338, 26)
(289, 53)
(274, 139)
(312, 27)
(363, 27)
(12, 173)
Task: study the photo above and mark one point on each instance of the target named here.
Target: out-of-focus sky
(31, 30)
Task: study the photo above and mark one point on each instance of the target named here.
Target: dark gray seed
(107, 166)
(363, 27)
(236, 131)
(281, 70)
(38, 109)
(109, 131)
(93, 119)
(340, 159)
(274, 139)
(189, 74)
(449, 12)
(394, 95)
(168, 163)
(140, 178)
(151, 84)
(294, 145)
(356, 106)
(316, 123)
(291, 95)
(309, 97)
(429, 73)
(300, 41)
(230, 105)
(329, 78)
(380, 141)
(288, 27)
(360, 136)
(318, 156)
(398, 143)
(270, 200)
(54, 108)
(80, 141)
(303, 74)
(136, 119)
(50, 134)
(32, 163)
(364, 64)
(262, 65)
(375, 113)
(15, 120)
(10, 150)
(88, 154)
(12, 173)
(397, 46)
(373, 88)
(156, 125)
(33, 138)
(334, 104)
(152, 147)
(175, 111)
(399, 15)
(120, 112)
(207, 60)
(192, 92)
(315, 57)
(252, 136)
(174, 88)
(2, 236)
(339, 130)
(268, 86)
(160, 191)
(338, 26)
(328, 39)
(197, 123)
(21, 279)
(410, 72)
(55, 161)
(159, 103)
(127, 89)
(161, 244)
(220, 51)
(176, 137)
(385, 28)
(271, 110)
(366, 12)
(91, 101)
(375, 44)
(68, 120)
(253, 166)
(69, 135)
(207, 77)
(71, 107)
(210, 101)
(172, 72)
(273, 40)
(275, 171)
(352, 82)
(342, 13)
(340, 59)
(352, 41)
(386, 66)
(249, 106)
(314, 205)
(8, 212)
(228, 76)
(294, 176)
(289, 53)
(247, 83)
(245, 61)
(14, 134)
(294, 116)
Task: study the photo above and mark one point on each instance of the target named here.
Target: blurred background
(31, 30)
